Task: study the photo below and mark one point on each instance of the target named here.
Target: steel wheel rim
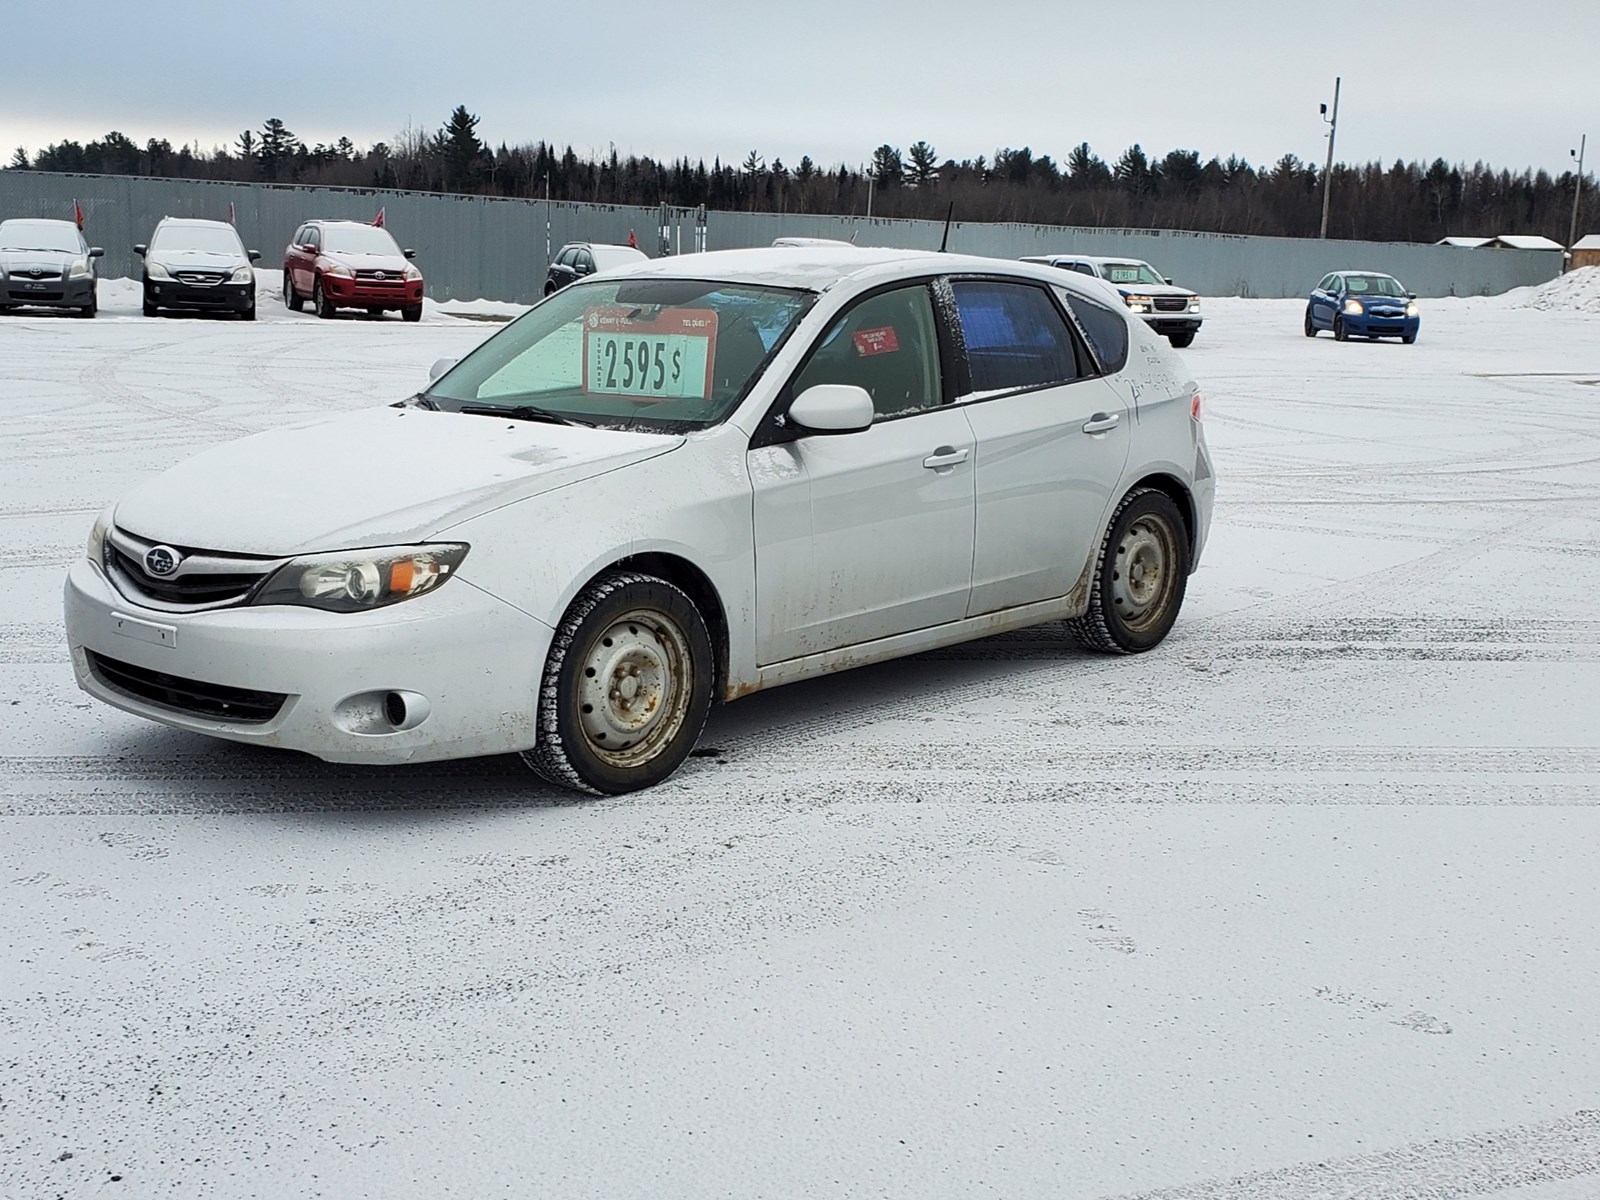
(1142, 583)
(634, 688)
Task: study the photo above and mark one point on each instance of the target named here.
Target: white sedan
(701, 477)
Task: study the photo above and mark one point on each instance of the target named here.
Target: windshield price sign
(649, 354)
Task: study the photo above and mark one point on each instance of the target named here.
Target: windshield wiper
(520, 412)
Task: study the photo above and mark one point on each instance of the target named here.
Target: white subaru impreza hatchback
(683, 482)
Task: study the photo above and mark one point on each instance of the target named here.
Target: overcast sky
(1513, 85)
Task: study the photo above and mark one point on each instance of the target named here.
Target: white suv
(1173, 312)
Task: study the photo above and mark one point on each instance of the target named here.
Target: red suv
(348, 264)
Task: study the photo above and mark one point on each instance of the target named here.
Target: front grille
(202, 278)
(1172, 303)
(203, 579)
(389, 278)
(243, 705)
(41, 273)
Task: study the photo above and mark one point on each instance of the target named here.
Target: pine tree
(463, 152)
(923, 169)
(19, 160)
(276, 149)
(887, 169)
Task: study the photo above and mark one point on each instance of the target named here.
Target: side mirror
(140, 249)
(96, 252)
(832, 408)
(307, 247)
(440, 366)
(1169, 283)
(1411, 295)
(254, 254)
(409, 253)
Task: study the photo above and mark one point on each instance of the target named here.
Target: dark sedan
(47, 263)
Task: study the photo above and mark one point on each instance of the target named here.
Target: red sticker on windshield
(876, 341)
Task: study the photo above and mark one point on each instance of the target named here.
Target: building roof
(1470, 243)
(1589, 241)
(1524, 241)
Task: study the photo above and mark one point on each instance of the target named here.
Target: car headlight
(155, 270)
(242, 275)
(412, 272)
(1194, 303)
(1353, 307)
(1411, 309)
(96, 548)
(356, 580)
(339, 269)
(79, 270)
(1138, 303)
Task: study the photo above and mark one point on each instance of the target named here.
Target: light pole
(1327, 171)
(547, 218)
(1577, 191)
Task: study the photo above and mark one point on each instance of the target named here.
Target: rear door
(865, 535)
(1052, 439)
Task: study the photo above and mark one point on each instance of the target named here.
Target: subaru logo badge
(161, 560)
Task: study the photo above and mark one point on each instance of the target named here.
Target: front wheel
(149, 306)
(1140, 576)
(1408, 338)
(1311, 329)
(1181, 340)
(412, 312)
(1340, 334)
(626, 688)
(320, 301)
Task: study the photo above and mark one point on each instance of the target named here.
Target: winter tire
(626, 688)
(248, 314)
(1311, 329)
(1140, 576)
(1408, 338)
(412, 312)
(1181, 341)
(149, 307)
(291, 298)
(320, 301)
(1339, 332)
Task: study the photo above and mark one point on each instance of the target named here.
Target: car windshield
(667, 355)
(357, 239)
(208, 239)
(39, 235)
(607, 257)
(1373, 285)
(1130, 272)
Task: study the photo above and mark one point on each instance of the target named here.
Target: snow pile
(1576, 291)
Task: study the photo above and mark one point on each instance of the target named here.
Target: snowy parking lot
(1301, 904)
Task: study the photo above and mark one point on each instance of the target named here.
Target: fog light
(378, 713)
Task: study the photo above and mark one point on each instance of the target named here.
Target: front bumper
(1165, 323)
(1367, 325)
(52, 293)
(358, 293)
(474, 660)
(173, 293)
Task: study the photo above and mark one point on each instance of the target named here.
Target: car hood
(376, 477)
(182, 260)
(47, 260)
(1152, 289)
(370, 262)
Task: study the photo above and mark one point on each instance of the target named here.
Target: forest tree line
(1407, 201)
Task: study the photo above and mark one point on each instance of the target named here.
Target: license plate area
(145, 631)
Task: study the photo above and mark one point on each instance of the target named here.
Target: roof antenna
(945, 240)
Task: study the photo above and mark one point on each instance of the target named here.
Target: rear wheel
(320, 301)
(412, 312)
(291, 298)
(1339, 333)
(1311, 329)
(1181, 340)
(626, 688)
(1140, 577)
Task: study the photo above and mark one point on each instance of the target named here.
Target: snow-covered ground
(1303, 904)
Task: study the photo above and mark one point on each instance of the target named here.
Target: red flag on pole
(77, 213)
(231, 221)
(633, 241)
(378, 220)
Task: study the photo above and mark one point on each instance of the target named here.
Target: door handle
(1101, 422)
(945, 456)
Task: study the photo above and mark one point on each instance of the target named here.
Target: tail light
(1195, 407)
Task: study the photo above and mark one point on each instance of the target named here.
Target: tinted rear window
(1106, 329)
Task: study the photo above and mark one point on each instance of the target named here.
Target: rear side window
(1106, 329)
(1016, 337)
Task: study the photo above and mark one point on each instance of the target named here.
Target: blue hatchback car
(1366, 304)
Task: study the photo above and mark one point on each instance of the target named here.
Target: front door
(865, 535)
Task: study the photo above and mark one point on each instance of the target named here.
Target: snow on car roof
(811, 268)
(191, 221)
(1097, 259)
